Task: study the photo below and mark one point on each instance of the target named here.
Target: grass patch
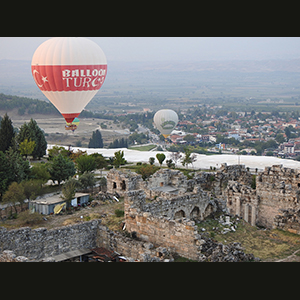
(143, 148)
(268, 245)
(115, 216)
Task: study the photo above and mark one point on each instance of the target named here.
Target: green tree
(26, 147)
(61, 168)
(19, 169)
(40, 171)
(119, 158)
(287, 132)
(12, 168)
(6, 133)
(100, 160)
(14, 195)
(147, 170)
(87, 180)
(189, 138)
(122, 143)
(32, 131)
(170, 163)
(85, 163)
(55, 150)
(39, 138)
(151, 160)
(32, 188)
(69, 190)
(96, 140)
(160, 157)
(4, 174)
(279, 138)
(187, 157)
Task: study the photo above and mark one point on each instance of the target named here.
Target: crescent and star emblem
(44, 79)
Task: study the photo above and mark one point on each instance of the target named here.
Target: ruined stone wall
(167, 177)
(216, 182)
(122, 181)
(126, 246)
(288, 219)
(38, 243)
(242, 201)
(196, 205)
(180, 236)
(277, 188)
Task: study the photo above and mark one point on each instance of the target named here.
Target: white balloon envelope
(69, 71)
(165, 121)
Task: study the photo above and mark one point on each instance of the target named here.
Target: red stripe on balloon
(70, 117)
(69, 78)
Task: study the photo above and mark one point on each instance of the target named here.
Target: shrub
(119, 213)
(28, 218)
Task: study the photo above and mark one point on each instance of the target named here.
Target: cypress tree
(39, 138)
(96, 141)
(32, 131)
(6, 133)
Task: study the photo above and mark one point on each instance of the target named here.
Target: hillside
(25, 106)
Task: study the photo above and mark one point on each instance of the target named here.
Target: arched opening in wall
(195, 213)
(123, 185)
(208, 210)
(161, 184)
(179, 214)
(114, 185)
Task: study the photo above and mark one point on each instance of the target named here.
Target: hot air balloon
(69, 71)
(165, 121)
(72, 126)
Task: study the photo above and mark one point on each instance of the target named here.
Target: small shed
(80, 198)
(46, 206)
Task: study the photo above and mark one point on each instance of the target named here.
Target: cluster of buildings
(233, 132)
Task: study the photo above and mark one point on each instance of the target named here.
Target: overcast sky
(170, 48)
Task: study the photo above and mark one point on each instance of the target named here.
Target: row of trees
(13, 145)
(119, 143)
(188, 158)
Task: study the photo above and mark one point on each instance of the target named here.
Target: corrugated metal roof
(71, 254)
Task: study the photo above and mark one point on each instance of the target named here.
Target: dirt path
(291, 258)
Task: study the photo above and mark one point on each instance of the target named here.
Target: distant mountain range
(16, 78)
(223, 66)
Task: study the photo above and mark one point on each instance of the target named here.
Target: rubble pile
(218, 252)
(10, 256)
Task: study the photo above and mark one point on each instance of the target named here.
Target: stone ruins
(169, 197)
(161, 215)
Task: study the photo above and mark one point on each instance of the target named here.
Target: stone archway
(208, 210)
(195, 213)
(123, 185)
(179, 214)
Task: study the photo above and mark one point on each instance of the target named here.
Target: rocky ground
(227, 238)
(266, 244)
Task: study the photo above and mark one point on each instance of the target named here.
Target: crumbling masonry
(168, 193)
(163, 210)
(161, 213)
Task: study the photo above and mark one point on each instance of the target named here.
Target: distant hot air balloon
(72, 126)
(69, 71)
(165, 121)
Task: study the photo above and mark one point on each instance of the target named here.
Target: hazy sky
(170, 48)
